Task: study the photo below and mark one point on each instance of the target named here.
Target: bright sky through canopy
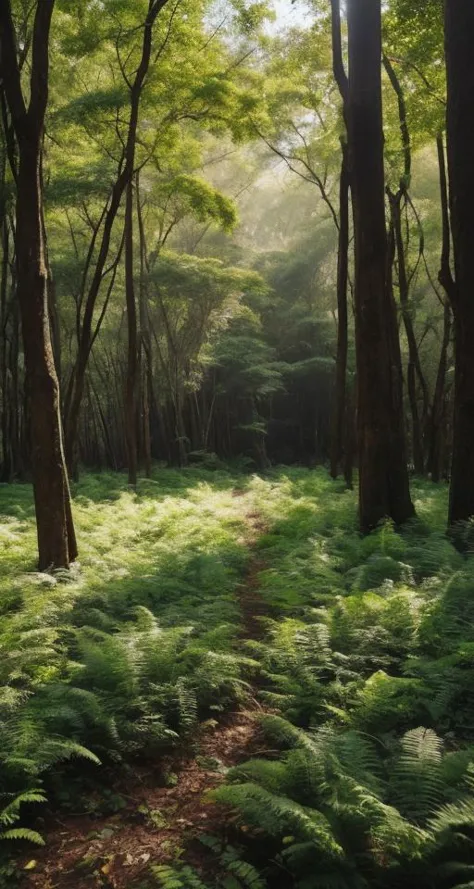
(291, 14)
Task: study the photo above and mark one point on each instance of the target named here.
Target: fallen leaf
(31, 864)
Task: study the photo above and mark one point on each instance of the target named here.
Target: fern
(278, 815)
(242, 874)
(173, 878)
(10, 814)
(24, 834)
(417, 780)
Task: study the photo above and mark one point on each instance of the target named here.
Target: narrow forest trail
(157, 823)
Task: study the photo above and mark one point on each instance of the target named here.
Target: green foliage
(127, 656)
(11, 812)
(234, 872)
(88, 670)
(340, 788)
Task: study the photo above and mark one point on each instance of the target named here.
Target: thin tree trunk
(383, 475)
(414, 369)
(396, 200)
(438, 412)
(132, 350)
(338, 444)
(146, 370)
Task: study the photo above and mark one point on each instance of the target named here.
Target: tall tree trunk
(338, 443)
(459, 38)
(397, 200)
(56, 538)
(146, 370)
(5, 373)
(414, 370)
(341, 442)
(383, 474)
(438, 410)
(439, 418)
(132, 348)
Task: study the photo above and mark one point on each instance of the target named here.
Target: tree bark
(383, 475)
(56, 537)
(341, 435)
(459, 41)
(145, 380)
(338, 443)
(438, 411)
(414, 369)
(397, 201)
(132, 346)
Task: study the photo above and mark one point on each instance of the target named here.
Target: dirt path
(158, 822)
(87, 852)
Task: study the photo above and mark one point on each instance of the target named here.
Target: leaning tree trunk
(414, 370)
(383, 474)
(56, 538)
(459, 37)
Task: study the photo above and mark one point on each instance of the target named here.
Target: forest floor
(203, 602)
(160, 823)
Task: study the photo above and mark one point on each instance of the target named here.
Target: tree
(459, 36)
(56, 537)
(125, 172)
(340, 421)
(383, 475)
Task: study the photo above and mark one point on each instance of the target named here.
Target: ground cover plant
(359, 659)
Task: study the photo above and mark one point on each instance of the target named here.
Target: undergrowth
(366, 660)
(120, 658)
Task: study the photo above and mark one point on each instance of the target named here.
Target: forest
(236, 444)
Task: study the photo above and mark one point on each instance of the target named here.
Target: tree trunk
(459, 37)
(383, 475)
(439, 417)
(414, 370)
(396, 202)
(5, 373)
(56, 538)
(146, 369)
(338, 443)
(132, 350)
(438, 411)
(341, 442)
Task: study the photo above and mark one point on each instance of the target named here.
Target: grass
(120, 659)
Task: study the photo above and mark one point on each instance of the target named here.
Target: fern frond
(11, 812)
(173, 878)
(23, 833)
(453, 816)
(278, 815)
(417, 783)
